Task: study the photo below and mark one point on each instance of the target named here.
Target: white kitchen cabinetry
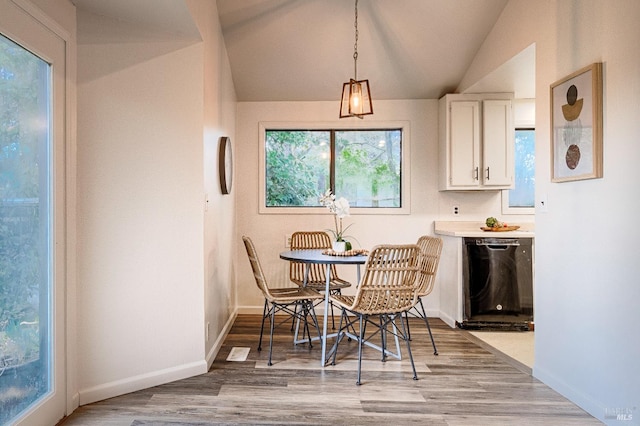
(476, 142)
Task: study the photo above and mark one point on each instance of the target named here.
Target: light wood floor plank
(467, 384)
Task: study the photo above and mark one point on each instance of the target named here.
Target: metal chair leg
(333, 321)
(305, 311)
(264, 315)
(383, 337)
(424, 315)
(315, 320)
(406, 316)
(293, 318)
(363, 325)
(406, 339)
(335, 351)
(273, 314)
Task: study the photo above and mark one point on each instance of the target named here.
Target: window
(363, 165)
(35, 263)
(368, 167)
(521, 199)
(297, 166)
(25, 230)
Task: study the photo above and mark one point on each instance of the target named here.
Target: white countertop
(472, 229)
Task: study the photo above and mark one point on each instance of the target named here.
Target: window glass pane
(523, 194)
(297, 166)
(368, 167)
(25, 284)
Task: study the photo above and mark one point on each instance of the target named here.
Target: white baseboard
(447, 319)
(250, 310)
(575, 395)
(72, 403)
(154, 378)
(142, 381)
(213, 352)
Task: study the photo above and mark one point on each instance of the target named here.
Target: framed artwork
(576, 125)
(225, 164)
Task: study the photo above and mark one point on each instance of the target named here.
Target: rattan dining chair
(387, 289)
(430, 250)
(297, 302)
(316, 279)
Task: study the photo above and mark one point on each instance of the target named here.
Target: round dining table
(309, 256)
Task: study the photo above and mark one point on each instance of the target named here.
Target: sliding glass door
(31, 266)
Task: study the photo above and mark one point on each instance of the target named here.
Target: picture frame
(576, 125)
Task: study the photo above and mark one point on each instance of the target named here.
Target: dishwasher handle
(497, 245)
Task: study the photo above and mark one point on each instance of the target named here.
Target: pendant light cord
(355, 46)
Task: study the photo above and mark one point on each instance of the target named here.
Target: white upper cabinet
(476, 142)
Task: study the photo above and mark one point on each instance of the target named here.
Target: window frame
(405, 164)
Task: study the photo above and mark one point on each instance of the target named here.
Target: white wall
(219, 217)
(586, 281)
(150, 107)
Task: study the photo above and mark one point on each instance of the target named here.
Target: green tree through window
(24, 229)
(362, 165)
(297, 166)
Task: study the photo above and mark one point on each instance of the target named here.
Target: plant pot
(339, 246)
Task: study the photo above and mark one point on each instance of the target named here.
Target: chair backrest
(306, 240)
(258, 274)
(430, 250)
(388, 284)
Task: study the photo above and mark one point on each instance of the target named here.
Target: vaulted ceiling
(297, 50)
(302, 50)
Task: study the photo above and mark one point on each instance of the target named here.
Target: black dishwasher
(498, 283)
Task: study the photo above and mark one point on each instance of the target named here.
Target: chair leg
(406, 316)
(264, 315)
(424, 315)
(406, 339)
(315, 320)
(383, 337)
(363, 325)
(335, 351)
(293, 318)
(305, 312)
(333, 321)
(353, 329)
(273, 314)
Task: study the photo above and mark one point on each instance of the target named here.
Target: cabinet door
(497, 142)
(464, 145)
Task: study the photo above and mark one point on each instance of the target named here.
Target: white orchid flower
(340, 210)
(327, 200)
(342, 207)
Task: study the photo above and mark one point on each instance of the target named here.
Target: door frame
(29, 26)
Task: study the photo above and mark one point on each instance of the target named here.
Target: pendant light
(356, 97)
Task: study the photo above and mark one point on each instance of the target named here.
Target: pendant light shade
(356, 96)
(356, 99)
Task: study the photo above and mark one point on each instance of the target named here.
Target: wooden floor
(467, 384)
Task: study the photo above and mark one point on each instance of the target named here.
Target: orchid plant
(340, 210)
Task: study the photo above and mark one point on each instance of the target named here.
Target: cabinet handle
(476, 173)
(487, 173)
